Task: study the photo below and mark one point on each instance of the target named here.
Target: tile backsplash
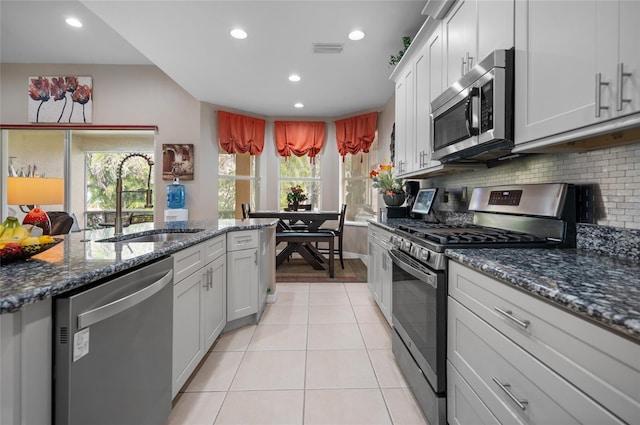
(613, 173)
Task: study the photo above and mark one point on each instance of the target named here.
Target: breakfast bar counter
(81, 259)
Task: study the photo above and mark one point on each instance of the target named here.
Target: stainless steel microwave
(473, 119)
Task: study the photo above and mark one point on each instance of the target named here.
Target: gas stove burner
(481, 236)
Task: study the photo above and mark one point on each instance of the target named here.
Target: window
(356, 188)
(236, 183)
(101, 174)
(68, 153)
(299, 170)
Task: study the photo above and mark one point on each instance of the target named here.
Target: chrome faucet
(119, 191)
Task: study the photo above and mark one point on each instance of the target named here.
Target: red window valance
(240, 134)
(356, 134)
(299, 137)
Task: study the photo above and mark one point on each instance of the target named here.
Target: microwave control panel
(486, 107)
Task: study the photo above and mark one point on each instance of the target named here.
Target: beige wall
(123, 95)
(144, 95)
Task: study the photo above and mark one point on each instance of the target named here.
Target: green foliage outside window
(300, 171)
(102, 168)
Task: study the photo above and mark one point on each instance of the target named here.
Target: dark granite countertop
(596, 287)
(80, 259)
(586, 281)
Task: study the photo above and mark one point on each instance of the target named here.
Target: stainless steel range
(517, 216)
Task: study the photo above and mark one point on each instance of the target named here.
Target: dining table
(299, 221)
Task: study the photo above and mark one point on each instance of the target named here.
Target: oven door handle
(428, 278)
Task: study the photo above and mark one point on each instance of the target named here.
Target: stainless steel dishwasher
(113, 348)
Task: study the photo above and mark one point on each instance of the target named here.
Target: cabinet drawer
(599, 362)
(463, 404)
(187, 261)
(215, 247)
(243, 239)
(515, 386)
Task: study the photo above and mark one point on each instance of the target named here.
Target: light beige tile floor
(320, 355)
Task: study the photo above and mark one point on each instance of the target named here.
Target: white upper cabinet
(418, 79)
(577, 67)
(460, 28)
(473, 29)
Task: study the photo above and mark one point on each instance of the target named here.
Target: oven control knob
(424, 255)
(406, 246)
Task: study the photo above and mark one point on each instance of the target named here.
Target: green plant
(296, 194)
(384, 181)
(393, 60)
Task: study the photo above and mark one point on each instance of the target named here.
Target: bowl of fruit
(17, 244)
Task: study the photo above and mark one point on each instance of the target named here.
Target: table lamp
(35, 191)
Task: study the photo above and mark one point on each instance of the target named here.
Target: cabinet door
(460, 31)
(188, 344)
(435, 87)
(242, 283)
(556, 65)
(410, 122)
(422, 110)
(385, 284)
(214, 301)
(629, 56)
(400, 127)
(495, 26)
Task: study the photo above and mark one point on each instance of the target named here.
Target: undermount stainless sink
(157, 236)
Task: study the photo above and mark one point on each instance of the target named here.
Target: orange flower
(373, 173)
(386, 167)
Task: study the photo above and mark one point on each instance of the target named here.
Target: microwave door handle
(468, 111)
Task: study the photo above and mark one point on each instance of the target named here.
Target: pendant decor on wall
(177, 161)
(60, 99)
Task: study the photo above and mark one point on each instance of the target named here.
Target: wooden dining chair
(338, 232)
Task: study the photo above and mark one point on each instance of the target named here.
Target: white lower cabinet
(379, 269)
(463, 404)
(199, 305)
(242, 273)
(525, 361)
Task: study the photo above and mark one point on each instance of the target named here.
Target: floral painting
(60, 99)
(177, 161)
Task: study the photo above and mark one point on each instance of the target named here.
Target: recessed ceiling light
(356, 35)
(238, 33)
(299, 105)
(294, 77)
(73, 22)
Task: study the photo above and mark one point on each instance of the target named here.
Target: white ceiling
(190, 42)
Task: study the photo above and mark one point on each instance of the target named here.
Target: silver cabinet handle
(599, 84)
(462, 66)
(469, 62)
(210, 277)
(620, 100)
(509, 315)
(256, 257)
(506, 388)
(106, 311)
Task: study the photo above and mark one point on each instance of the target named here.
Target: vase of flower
(295, 196)
(394, 199)
(390, 187)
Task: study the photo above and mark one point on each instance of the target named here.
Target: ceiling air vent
(327, 48)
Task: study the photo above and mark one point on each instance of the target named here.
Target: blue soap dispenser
(175, 194)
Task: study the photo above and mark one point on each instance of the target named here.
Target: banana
(10, 225)
(31, 240)
(20, 233)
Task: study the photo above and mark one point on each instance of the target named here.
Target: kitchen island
(81, 260)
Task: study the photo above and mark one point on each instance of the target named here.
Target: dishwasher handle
(106, 311)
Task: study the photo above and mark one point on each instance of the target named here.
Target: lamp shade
(35, 191)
